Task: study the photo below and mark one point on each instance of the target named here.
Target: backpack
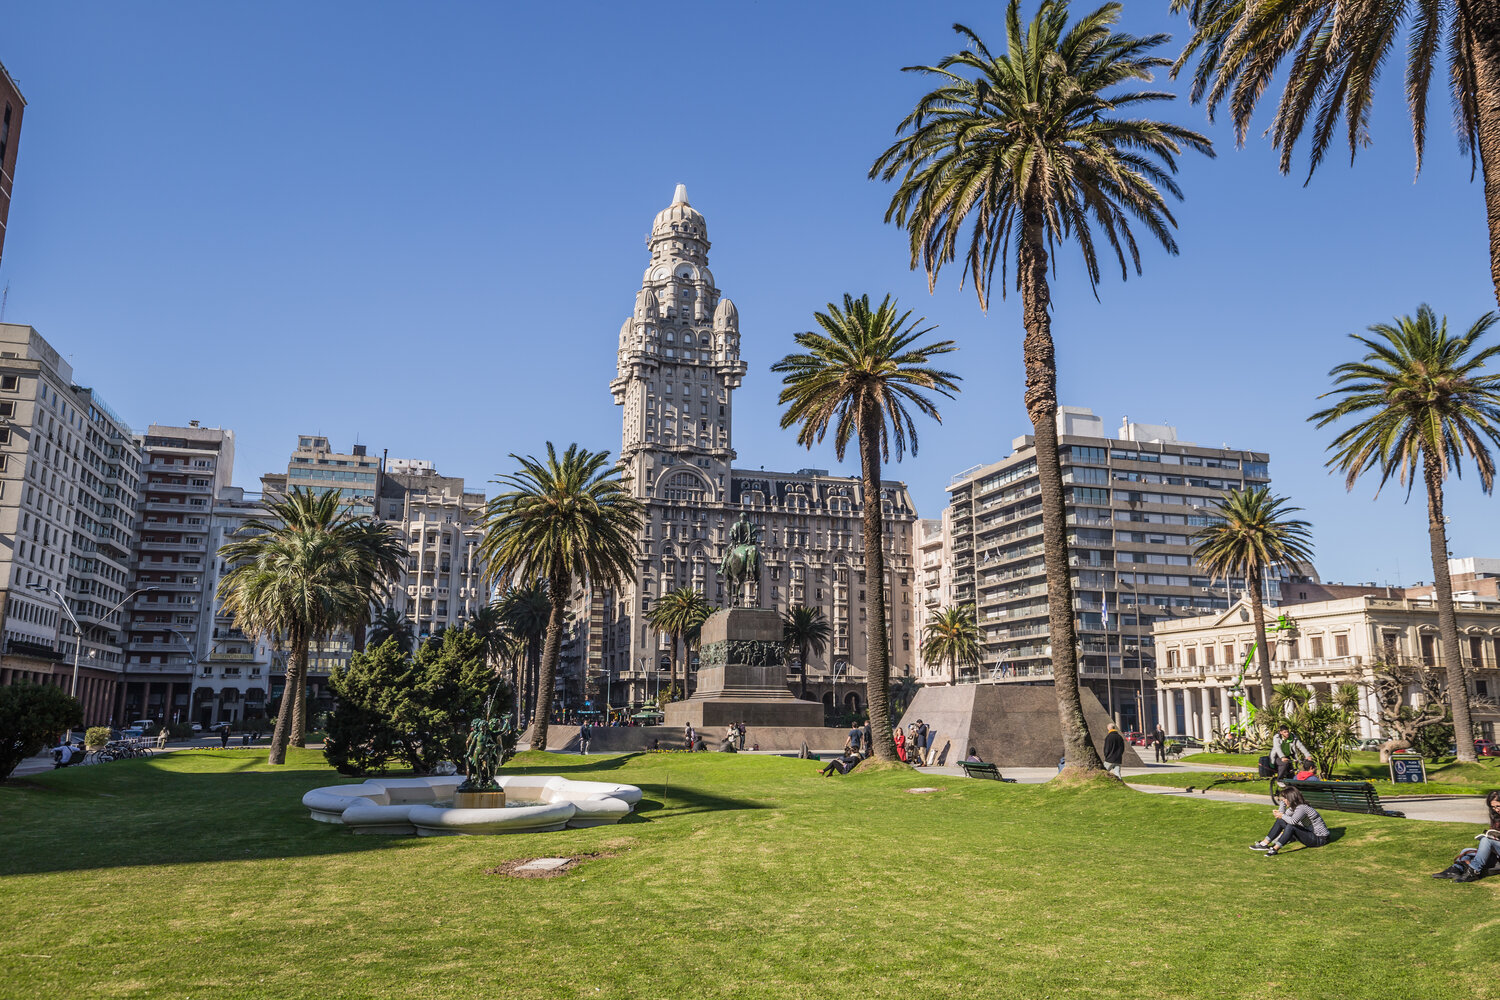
(1266, 770)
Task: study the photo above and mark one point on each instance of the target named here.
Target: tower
(679, 364)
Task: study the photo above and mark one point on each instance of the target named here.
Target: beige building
(932, 555)
(1333, 642)
(1133, 504)
(442, 524)
(69, 475)
(678, 366)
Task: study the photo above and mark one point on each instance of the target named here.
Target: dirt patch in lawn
(552, 867)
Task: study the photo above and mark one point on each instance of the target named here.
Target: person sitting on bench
(844, 763)
(1281, 760)
(973, 757)
(1472, 863)
(1289, 823)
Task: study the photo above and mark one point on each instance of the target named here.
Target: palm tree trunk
(299, 707)
(296, 672)
(878, 664)
(803, 651)
(558, 593)
(1262, 646)
(1442, 586)
(1483, 17)
(672, 672)
(1041, 406)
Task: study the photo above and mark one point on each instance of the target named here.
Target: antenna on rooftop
(4, 301)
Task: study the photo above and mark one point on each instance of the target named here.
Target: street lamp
(78, 629)
(838, 665)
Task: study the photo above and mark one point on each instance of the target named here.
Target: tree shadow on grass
(139, 813)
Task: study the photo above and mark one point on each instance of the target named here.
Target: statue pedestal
(742, 677)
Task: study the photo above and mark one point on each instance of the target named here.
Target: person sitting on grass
(1472, 862)
(1290, 820)
(843, 764)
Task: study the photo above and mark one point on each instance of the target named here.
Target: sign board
(1408, 767)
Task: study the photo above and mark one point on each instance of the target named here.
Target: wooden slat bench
(975, 769)
(1344, 796)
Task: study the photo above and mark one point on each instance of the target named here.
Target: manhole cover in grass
(921, 791)
(538, 867)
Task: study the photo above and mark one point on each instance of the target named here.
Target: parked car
(197, 728)
(1192, 742)
(1371, 745)
(132, 733)
(1485, 748)
(1137, 739)
(142, 724)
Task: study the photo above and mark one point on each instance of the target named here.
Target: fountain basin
(532, 804)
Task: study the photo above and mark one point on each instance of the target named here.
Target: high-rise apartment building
(69, 473)
(314, 465)
(186, 660)
(442, 524)
(1133, 503)
(678, 366)
(12, 108)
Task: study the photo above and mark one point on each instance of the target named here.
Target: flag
(1105, 613)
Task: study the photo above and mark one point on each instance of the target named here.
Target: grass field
(198, 874)
(1449, 777)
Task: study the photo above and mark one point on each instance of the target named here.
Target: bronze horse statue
(741, 563)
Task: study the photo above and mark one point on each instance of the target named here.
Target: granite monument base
(742, 677)
(1011, 725)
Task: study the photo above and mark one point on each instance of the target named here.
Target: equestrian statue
(741, 563)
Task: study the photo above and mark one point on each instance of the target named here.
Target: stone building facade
(1333, 642)
(678, 366)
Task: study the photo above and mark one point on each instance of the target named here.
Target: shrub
(31, 716)
(180, 731)
(96, 737)
(1435, 739)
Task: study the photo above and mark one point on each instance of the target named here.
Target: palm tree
(1423, 399)
(806, 632)
(1027, 148)
(858, 377)
(1334, 50)
(489, 624)
(567, 519)
(952, 636)
(309, 567)
(526, 610)
(391, 624)
(1249, 533)
(678, 613)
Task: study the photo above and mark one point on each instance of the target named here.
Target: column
(1208, 715)
(1161, 708)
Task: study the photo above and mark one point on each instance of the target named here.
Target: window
(1341, 645)
(1192, 656)
(10, 383)
(1317, 647)
(7, 408)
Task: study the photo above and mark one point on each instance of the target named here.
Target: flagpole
(1109, 677)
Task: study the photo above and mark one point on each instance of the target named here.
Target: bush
(96, 737)
(31, 716)
(180, 731)
(1435, 739)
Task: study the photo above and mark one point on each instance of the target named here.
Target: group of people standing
(915, 745)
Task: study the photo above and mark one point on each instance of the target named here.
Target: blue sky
(419, 226)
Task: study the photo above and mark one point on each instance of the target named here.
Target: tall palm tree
(489, 624)
(951, 636)
(1027, 148)
(567, 519)
(806, 632)
(1422, 399)
(526, 610)
(1334, 50)
(858, 377)
(391, 624)
(1249, 532)
(678, 613)
(309, 567)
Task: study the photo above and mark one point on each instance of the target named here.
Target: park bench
(1344, 796)
(975, 769)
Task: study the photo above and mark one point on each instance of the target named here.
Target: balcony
(165, 586)
(176, 488)
(184, 546)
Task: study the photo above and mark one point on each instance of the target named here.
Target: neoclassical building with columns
(1332, 642)
(678, 364)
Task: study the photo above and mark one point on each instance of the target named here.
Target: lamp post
(839, 665)
(78, 629)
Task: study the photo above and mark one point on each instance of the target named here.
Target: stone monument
(741, 655)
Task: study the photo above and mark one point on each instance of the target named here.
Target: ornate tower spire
(679, 362)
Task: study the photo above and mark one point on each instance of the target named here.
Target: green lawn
(198, 874)
(1445, 777)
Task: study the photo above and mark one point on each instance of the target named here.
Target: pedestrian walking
(224, 736)
(1159, 740)
(1114, 751)
(741, 729)
(583, 739)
